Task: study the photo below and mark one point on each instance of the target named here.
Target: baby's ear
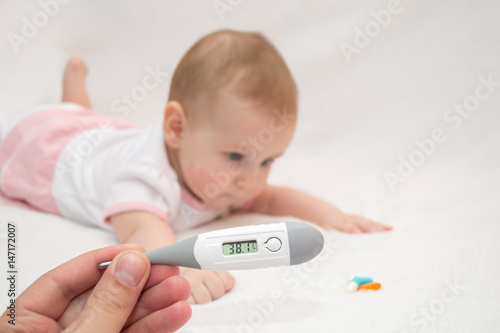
(174, 122)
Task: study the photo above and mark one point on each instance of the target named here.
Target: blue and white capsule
(356, 281)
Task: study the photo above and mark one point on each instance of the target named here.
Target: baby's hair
(224, 57)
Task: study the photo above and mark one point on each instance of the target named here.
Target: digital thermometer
(255, 246)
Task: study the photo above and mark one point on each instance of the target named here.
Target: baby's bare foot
(74, 82)
(75, 69)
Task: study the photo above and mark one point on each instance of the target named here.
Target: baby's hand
(207, 286)
(353, 224)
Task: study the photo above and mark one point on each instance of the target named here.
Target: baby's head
(231, 111)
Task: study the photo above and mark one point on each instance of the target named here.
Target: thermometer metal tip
(104, 265)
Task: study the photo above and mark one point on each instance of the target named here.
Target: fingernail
(130, 269)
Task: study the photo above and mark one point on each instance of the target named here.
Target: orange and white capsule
(371, 285)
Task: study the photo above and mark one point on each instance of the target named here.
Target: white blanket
(398, 121)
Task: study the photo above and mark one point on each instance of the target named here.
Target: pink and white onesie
(74, 162)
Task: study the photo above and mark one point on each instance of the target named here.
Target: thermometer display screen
(239, 248)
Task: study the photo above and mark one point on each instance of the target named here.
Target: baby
(230, 114)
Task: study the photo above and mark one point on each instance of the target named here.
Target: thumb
(116, 294)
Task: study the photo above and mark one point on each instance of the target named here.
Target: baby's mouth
(194, 194)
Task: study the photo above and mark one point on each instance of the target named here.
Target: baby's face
(225, 160)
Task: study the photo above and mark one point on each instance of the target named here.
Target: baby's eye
(234, 156)
(267, 161)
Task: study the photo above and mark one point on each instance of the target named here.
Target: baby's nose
(247, 180)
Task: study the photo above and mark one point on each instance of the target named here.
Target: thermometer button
(273, 244)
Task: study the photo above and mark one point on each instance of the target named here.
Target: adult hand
(130, 295)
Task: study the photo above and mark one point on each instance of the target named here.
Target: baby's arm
(151, 232)
(142, 228)
(284, 201)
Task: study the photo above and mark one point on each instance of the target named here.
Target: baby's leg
(74, 82)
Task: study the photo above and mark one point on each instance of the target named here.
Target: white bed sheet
(358, 120)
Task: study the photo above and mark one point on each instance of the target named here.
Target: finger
(159, 274)
(52, 292)
(355, 230)
(350, 228)
(191, 299)
(371, 226)
(205, 285)
(227, 279)
(215, 286)
(217, 283)
(163, 295)
(195, 279)
(200, 293)
(116, 294)
(165, 320)
(74, 308)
